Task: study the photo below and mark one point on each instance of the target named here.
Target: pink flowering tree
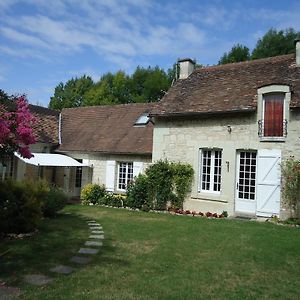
(16, 133)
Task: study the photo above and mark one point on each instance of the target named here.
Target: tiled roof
(106, 129)
(229, 88)
(46, 125)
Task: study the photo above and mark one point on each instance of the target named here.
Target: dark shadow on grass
(55, 243)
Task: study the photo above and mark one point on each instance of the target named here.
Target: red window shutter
(273, 115)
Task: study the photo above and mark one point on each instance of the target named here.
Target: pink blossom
(16, 132)
(25, 152)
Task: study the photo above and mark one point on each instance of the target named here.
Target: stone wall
(180, 140)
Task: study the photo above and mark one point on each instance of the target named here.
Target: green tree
(144, 85)
(237, 53)
(72, 93)
(149, 84)
(101, 92)
(121, 88)
(275, 43)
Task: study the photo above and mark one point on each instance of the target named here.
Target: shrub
(160, 179)
(165, 183)
(54, 201)
(138, 193)
(169, 182)
(93, 194)
(291, 185)
(20, 209)
(183, 176)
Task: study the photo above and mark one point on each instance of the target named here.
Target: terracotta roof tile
(46, 125)
(107, 129)
(229, 88)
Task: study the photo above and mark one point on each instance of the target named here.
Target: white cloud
(95, 75)
(22, 38)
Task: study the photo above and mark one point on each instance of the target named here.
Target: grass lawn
(158, 256)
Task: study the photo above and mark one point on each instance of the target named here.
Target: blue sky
(44, 42)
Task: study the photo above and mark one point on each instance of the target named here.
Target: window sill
(272, 139)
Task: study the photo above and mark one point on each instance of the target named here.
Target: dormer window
(273, 113)
(142, 120)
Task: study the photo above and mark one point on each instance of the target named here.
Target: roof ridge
(247, 62)
(110, 106)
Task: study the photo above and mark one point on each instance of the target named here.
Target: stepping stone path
(40, 279)
(88, 251)
(37, 279)
(92, 243)
(62, 269)
(96, 236)
(80, 260)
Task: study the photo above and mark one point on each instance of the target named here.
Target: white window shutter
(110, 175)
(137, 168)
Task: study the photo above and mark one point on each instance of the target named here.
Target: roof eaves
(106, 152)
(205, 113)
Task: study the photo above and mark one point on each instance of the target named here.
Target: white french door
(246, 182)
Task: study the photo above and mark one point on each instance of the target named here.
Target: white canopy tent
(51, 160)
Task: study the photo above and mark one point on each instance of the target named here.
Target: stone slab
(94, 224)
(88, 251)
(97, 236)
(61, 269)
(98, 231)
(8, 293)
(80, 260)
(37, 279)
(93, 243)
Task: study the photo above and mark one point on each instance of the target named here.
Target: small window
(142, 120)
(211, 163)
(78, 177)
(273, 123)
(125, 174)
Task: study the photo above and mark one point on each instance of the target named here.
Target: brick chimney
(297, 43)
(186, 67)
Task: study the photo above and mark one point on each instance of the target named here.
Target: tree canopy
(236, 54)
(144, 85)
(273, 43)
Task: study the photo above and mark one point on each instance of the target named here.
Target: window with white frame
(125, 174)
(210, 175)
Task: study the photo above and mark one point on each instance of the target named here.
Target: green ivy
(164, 182)
(183, 176)
(291, 184)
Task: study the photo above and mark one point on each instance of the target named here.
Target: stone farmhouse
(233, 123)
